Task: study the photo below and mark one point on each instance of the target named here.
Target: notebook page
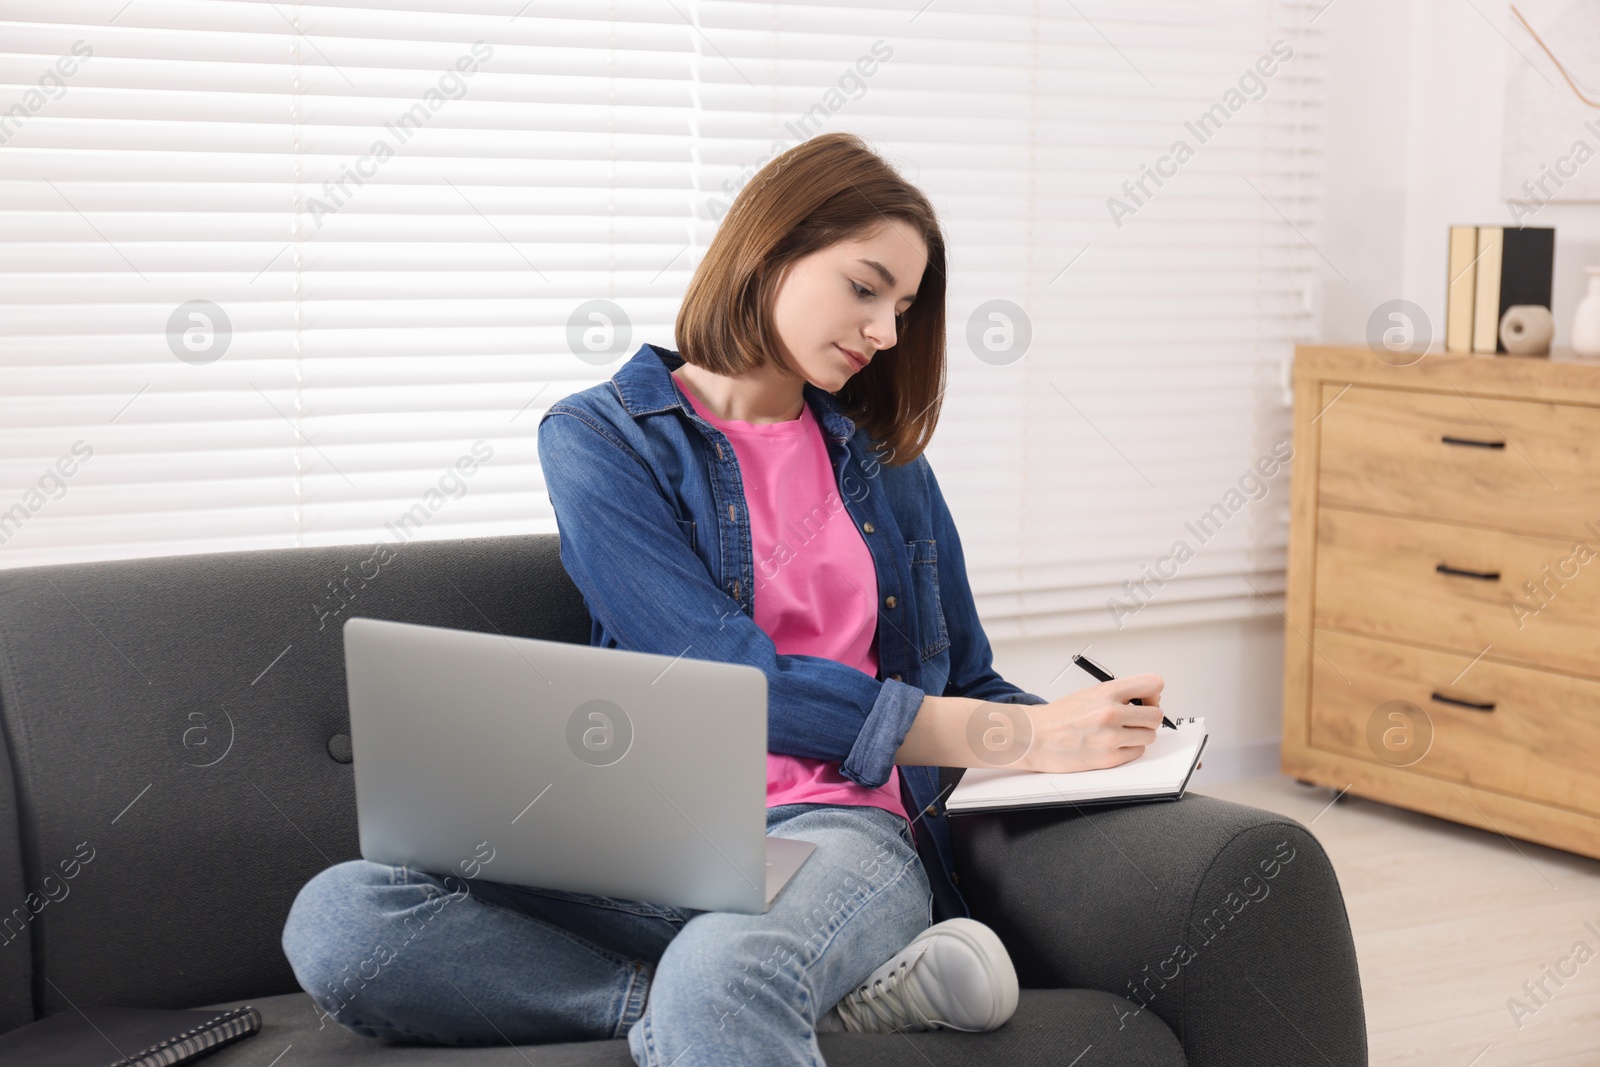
(1160, 769)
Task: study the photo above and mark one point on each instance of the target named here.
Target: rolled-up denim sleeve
(623, 548)
(972, 672)
(872, 757)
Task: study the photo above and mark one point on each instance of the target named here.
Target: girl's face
(846, 297)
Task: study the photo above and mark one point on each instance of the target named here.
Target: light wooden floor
(1449, 922)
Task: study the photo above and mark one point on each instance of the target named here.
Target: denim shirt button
(888, 602)
(866, 527)
(896, 677)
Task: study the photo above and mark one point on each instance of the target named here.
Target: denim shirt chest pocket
(925, 595)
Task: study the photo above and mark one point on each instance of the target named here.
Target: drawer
(1521, 465)
(1535, 736)
(1530, 598)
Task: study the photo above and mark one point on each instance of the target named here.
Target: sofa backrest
(176, 761)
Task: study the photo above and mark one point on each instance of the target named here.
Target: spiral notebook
(1161, 772)
(126, 1037)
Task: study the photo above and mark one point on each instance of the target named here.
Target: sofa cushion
(1050, 1026)
(183, 719)
(20, 904)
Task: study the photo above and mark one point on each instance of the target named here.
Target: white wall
(1415, 121)
(1414, 124)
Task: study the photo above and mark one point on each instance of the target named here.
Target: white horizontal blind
(394, 339)
(378, 332)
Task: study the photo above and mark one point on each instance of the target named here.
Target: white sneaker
(955, 975)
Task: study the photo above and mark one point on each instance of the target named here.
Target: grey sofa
(175, 736)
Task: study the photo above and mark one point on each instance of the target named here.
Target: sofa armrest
(1225, 920)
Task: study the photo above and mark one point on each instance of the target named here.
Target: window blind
(389, 213)
(309, 273)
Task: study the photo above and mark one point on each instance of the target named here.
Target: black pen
(1105, 676)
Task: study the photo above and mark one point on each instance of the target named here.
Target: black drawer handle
(1488, 576)
(1474, 444)
(1441, 698)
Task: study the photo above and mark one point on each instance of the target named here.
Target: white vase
(1586, 322)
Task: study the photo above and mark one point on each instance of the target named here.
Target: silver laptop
(541, 763)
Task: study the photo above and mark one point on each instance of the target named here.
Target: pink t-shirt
(816, 588)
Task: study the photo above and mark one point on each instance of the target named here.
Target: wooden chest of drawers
(1443, 646)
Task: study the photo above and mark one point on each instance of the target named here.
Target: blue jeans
(400, 954)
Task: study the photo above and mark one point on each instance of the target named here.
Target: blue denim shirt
(650, 508)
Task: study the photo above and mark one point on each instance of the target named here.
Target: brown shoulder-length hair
(828, 189)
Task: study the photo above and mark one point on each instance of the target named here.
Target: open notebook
(1161, 772)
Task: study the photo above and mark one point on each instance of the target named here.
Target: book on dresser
(1443, 643)
(1491, 269)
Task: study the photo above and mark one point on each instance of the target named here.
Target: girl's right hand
(1095, 727)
